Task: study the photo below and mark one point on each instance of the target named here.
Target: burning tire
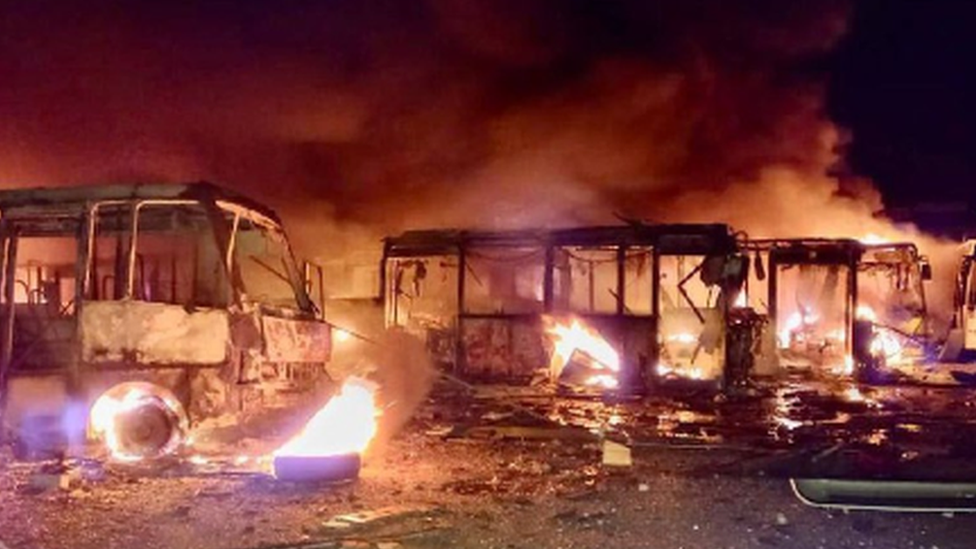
(337, 468)
(138, 420)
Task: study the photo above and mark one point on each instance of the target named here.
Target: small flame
(863, 312)
(340, 335)
(872, 238)
(795, 322)
(885, 342)
(847, 368)
(853, 394)
(664, 370)
(741, 300)
(575, 336)
(683, 337)
(345, 425)
(607, 381)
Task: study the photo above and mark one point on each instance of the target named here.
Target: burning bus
(150, 306)
(620, 306)
(841, 306)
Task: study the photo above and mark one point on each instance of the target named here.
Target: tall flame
(345, 425)
(575, 336)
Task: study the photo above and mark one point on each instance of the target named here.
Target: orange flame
(793, 323)
(575, 336)
(872, 238)
(345, 425)
(884, 343)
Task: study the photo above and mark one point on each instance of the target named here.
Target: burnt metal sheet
(510, 348)
(689, 239)
(77, 198)
(502, 348)
(152, 333)
(287, 340)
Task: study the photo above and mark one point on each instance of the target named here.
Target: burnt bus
(490, 305)
(188, 288)
(839, 306)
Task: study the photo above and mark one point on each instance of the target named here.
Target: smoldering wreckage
(167, 331)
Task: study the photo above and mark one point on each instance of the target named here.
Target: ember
(344, 427)
(575, 338)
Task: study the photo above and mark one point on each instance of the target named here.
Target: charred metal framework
(904, 268)
(189, 286)
(484, 333)
(961, 343)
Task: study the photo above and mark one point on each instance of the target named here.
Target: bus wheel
(138, 420)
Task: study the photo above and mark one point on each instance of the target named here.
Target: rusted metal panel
(152, 334)
(673, 239)
(287, 340)
(496, 348)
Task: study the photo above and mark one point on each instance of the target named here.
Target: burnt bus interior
(484, 301)
(829, 301)
(196, 247)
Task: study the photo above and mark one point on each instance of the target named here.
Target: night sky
(904, 82)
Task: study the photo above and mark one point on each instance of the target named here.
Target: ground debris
(382, 513)
(616, 454)
(545, 487)
(39, 483)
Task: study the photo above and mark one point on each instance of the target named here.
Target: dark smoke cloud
(386, 114)
(356, 119)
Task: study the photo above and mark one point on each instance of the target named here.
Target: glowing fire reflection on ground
(575, 336)
(345, 425)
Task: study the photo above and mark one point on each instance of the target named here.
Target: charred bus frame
(505, 339)
(901, 259)
(190, 287)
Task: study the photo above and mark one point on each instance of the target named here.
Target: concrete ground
(505, 468)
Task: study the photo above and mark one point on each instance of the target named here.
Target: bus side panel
(152, 334)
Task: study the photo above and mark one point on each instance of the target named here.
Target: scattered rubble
(616, 455)
(444, 489)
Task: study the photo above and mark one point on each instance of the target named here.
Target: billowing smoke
(358, 119)
(382, 113)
